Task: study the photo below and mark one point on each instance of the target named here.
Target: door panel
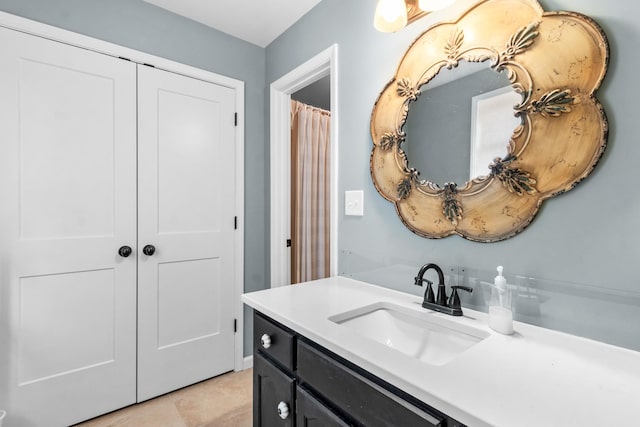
(187, 292)
(49, 304)
(75, 115)
(68, 191)
(189, 156)
(186, 210)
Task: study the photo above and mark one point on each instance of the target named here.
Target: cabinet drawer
(273, 394)
(356, 395)
(280, 340)
(310, 412)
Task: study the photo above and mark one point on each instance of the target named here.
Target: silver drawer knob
(283, 410)
(265, 341)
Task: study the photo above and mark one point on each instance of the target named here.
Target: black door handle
(149, 250)
(125, 251)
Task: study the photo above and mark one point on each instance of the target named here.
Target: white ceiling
(256, 21)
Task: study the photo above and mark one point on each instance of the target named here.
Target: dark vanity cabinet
(299, 383)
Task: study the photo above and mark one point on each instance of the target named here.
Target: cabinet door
(273, 391)
(68, 203)
(310, 412)
(186, 208)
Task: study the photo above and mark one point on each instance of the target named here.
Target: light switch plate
(354, 203)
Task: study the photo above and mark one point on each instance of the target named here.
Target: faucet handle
(454, 299)
(428, 294)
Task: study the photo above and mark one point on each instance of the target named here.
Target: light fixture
(394, 15)
(391, 16)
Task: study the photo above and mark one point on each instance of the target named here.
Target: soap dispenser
(500, 314)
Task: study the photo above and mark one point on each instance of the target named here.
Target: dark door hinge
(149, 65)
(235, 325)
(288, 243)
(235, 119)
(126, 59)
(235, 222)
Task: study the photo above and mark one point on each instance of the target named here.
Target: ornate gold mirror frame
(555, 61)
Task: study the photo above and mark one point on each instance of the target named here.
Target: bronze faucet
(440, 303)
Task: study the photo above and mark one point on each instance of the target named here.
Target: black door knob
(149, 250)
(124, 251)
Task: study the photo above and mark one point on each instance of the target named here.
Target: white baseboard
(247, 362)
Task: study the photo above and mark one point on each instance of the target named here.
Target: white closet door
(186, 212)
(68, 202)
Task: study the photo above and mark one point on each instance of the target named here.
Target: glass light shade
(433, 5)
(391, 15)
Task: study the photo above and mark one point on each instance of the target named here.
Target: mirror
(462, 120)
(553, 61)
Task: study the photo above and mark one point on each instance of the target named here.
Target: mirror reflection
(462, 120)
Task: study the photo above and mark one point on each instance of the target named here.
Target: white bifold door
(116, 231)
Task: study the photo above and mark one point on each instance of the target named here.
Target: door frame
(35, 28)
(323, 64)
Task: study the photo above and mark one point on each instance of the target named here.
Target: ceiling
(256, 21)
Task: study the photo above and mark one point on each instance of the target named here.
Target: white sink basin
(422, 335)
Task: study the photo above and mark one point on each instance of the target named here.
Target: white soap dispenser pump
(500, 284)
(500, 281)
(500, 315)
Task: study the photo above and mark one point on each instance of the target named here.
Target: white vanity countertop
(535, 377)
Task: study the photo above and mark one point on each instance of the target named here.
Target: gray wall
(147, 28)
(586, 240)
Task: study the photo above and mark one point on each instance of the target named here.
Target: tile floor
(224, 401)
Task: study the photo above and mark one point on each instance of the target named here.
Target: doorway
(325, 64)
(310, 238)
